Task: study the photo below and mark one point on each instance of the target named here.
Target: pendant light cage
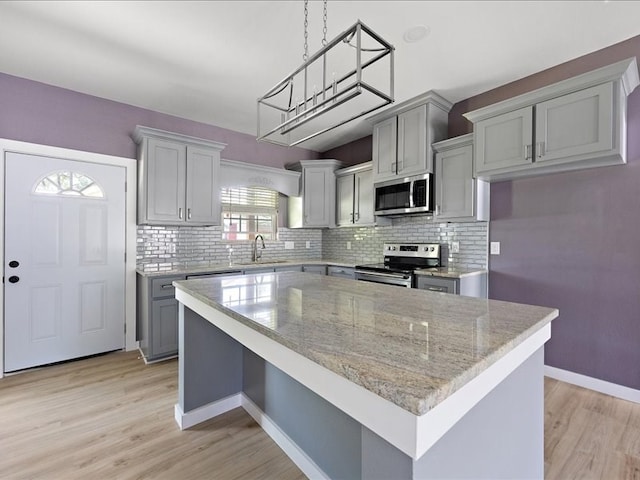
(351, 76)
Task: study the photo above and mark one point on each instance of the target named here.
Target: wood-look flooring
(111, 416)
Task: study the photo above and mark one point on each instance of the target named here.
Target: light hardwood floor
(112, 417)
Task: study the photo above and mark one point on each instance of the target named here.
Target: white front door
(64, 272)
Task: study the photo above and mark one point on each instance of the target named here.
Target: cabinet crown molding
(360, 167)
(429, 97)
(141, 132)
(454, 142)
(625, 71)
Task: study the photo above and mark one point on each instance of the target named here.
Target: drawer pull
(168, 285)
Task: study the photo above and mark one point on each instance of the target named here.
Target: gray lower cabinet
(319, 269)
(470, 285)
(344, 272)
(289, 268)
(157, 318)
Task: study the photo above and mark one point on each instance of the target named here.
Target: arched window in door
(68, 183)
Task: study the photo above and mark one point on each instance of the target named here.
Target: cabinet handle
(400, 165)
(436, 289)
(527, 152)
(393, 167)
(167, 285)
(437, 209)
(540, 148)
(188, 214)
(180, 213)
(357, 217)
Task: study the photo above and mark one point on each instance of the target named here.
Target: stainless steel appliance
(400, 261)
(404, 195)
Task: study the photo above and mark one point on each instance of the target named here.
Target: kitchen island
(358, 380)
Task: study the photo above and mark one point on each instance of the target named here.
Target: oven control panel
(420, 250)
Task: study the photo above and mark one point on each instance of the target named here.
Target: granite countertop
(225, 267)
(412, 347)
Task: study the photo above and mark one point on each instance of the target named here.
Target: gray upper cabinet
(178, 179)
(354, 195)
(316, 206)
(573, 124)
(459, 196)
(403, 134)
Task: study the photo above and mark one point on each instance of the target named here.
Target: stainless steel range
(400, 261)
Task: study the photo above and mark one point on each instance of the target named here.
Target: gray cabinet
(573, 124)
(467, 285)
(402, 136)
(459, 196)
(315, 207)
(289, 268)
(343, 272)
(157, 317)
(177, 179)
(319, 269)
(354, 195)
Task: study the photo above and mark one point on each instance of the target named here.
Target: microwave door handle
(411, 200)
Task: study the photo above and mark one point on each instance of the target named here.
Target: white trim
(131, 230)
(290, 448)
(602, 386)
(411, 434)
(206, 412)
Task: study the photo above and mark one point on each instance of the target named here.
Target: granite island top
(411, 347)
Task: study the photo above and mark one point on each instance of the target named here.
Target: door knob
(14, 279)
(14, 264)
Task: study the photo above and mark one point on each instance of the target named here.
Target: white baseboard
(206, 412)
(608, 388)
(290, 448)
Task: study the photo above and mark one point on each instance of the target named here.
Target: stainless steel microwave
(403, 195)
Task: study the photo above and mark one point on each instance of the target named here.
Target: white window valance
(242, 174)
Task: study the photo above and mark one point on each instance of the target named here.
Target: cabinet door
(455, 185)
(344, 272)
(504, 141)
(319, 197)
(363, 198)
(384, 153)
(412, 142)
(575, 124)
(203, 193)
(166, 171)
(164, 328)
(345, 198)
(319, 269)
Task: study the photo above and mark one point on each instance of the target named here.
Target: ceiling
(210, 61)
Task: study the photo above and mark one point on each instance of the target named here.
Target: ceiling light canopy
(350, 76)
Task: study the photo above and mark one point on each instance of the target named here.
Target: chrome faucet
(256, 256)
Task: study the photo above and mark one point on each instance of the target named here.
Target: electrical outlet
(289, 245)
(494, 248)
(172, 248)
(348, 245)
(455, 247)
(308, 244)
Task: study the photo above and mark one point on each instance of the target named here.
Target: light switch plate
(289, 245)
(308, 244)
(455, 247)
(494, 248)
(348, 245)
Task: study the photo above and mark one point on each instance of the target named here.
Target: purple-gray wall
(572, 241)
(39, 113)
(358, 151)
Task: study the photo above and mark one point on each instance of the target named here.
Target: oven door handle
(387, 275)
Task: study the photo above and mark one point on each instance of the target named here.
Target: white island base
(330, 427)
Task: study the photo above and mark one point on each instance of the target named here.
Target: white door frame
(130, 166)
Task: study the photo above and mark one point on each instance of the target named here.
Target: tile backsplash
(166, 247)
(163, 248)
(367, 242)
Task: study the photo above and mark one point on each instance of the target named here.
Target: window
(72, 184)
(249, 211)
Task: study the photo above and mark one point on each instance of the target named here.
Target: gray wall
(572, 241)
